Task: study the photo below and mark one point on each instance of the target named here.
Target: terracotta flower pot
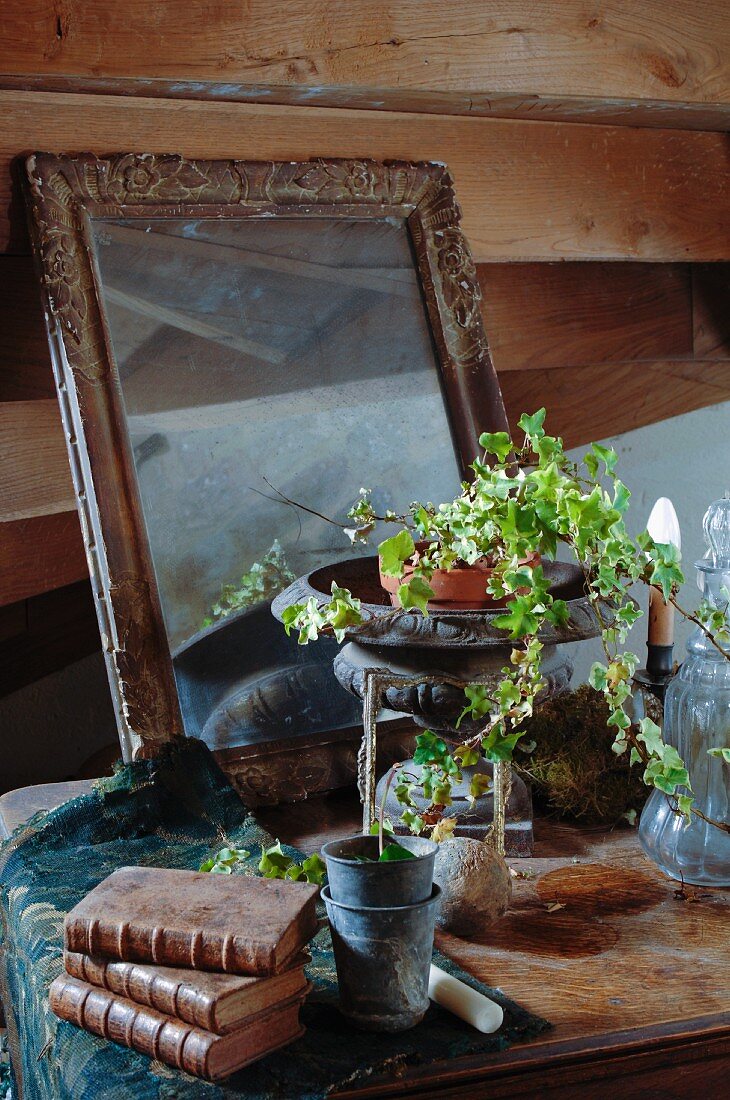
(462, 588)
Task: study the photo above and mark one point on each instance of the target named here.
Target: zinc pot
(400, 882)
(462, 588)
(383, 960)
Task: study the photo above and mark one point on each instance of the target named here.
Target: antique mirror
(227, 336)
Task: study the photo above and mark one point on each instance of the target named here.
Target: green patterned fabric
(170, 812)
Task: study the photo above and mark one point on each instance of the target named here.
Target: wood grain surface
(540, 316)
(674, 52)
(36, 477)
(529, 191)
(39, 554)
(583, 404)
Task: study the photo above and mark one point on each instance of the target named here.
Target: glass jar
(697, 718)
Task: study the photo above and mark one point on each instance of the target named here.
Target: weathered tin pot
(401, 882)
(383, 959)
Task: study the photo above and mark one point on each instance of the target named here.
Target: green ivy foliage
(525, 499)
(274, 863)
(264, 580)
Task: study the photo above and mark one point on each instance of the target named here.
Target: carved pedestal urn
(407, 663)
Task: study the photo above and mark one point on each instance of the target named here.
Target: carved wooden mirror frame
(64, 193)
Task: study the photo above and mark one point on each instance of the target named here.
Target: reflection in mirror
(258, 358)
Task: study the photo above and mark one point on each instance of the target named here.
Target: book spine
(139, 1028)
(169, 947)
(173, 998)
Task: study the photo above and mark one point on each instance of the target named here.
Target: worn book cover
(236, 924)
(170, 1040)
(212, 1001)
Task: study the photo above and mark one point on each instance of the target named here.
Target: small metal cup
(383, 958)
(402, 882)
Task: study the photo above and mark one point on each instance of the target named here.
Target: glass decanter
(697, 718)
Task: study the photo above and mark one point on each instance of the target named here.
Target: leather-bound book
(235, 923)
(214, 1002)
(170, 1040)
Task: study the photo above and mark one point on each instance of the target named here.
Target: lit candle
(663, 526)
(466, 1003)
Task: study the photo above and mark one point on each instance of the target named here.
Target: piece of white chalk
(463, 1001)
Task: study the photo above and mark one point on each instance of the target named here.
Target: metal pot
(402, 882)
(383, 959)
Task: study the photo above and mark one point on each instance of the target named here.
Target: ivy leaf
(558, 613)
(665, 572)
(394, 552)
(607, 456)
(479, 784)
(442, 792)
(619, 718)
(430, 749)
(290, 615)
(621, 496)
(443, 829)
(591, 464)
(403, 791)
(532, 425)
(520, 618)
(499, 746)
(343, 611)
(598, 676)
(684, 805)
(207, 865)
(496, 443)
(412, 821)
(548, 448)
(221, 869)
(651, 736)
(295, 873)
(393, 852)
(466, 756)
(507, 694)
(315, 869)
(479, 703)
(723, 753)
(415, 593)
(274, 863)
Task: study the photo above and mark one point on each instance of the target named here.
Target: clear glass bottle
(697, 718)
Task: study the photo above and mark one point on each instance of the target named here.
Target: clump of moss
(574, 773)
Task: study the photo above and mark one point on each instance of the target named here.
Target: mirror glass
(261, 359)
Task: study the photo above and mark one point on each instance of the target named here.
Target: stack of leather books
(203, 972)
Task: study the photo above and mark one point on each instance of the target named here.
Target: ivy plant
(525, 500)
(274, 863)
(264, 580)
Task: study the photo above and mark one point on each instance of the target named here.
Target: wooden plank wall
(657, 62)
(402, 80)
(608, 347)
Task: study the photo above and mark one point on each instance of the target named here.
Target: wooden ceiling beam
(653, 63)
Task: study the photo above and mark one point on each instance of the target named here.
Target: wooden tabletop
(631, 969)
